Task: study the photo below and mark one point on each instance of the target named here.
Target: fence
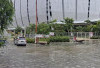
(78, 34)
(70, 34)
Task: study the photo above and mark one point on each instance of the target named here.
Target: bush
(51, 39)
(55, 39)
(59, 39)
(45, 39)
(1, 43)
(30, 40)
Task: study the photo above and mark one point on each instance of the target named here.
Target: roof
(59, 23)
(79, 22)
(11, 28)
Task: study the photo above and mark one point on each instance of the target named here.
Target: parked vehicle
(20, 41)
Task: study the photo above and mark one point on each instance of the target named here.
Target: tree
(30, 29)
(58, 28)
(6, 13)
(18, 29)
(69, 24)
(79, 29)
(43, 28)
(55, 20)
(98, 23)
(88, 21)
(98, 26)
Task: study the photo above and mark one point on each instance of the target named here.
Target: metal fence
(70, 34)
(78, 34)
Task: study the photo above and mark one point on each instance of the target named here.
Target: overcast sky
(56, 10)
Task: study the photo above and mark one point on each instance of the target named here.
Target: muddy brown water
(54, 55)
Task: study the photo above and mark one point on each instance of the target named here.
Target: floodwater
(54, 55)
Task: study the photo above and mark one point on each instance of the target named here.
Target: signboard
(39, 36)
(91, 34)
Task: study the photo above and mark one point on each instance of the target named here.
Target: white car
(20, 41)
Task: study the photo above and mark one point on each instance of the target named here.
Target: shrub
(51, 39)
(45, 39)
(1, 43)
(30, 40)
(55, 39)
(59, 39)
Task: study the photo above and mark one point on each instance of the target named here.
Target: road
(55, 55)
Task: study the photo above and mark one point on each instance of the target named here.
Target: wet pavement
(55, 55)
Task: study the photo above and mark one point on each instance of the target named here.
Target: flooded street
(55, 55)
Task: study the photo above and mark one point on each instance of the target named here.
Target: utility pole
(36, 18)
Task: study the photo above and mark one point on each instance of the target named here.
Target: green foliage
(69, 24)
(45, 39)
(30, 40)
(89, 28)
(18, 29)
(55, 20)
(58, 27)
(59, 39)
(68, 20)
(30, 29)
(79, 29)
(88, 21)
(94, 28)
(98, 23)
(43, 29)
(1, 43)
(6, 13)
(50, 39)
